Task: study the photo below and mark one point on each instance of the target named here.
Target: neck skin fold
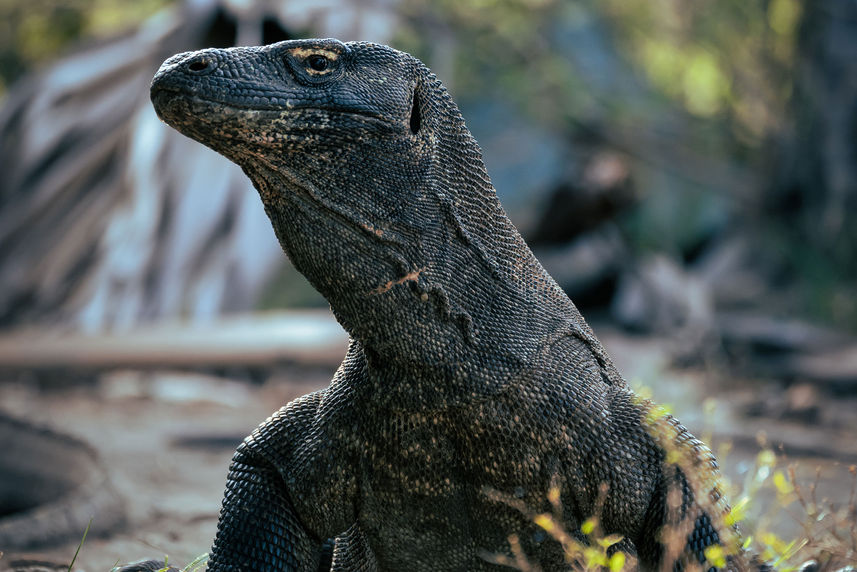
(449, 310)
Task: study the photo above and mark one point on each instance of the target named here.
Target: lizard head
(375, 187)
(355, 149)
(333, 136)
(297, 96)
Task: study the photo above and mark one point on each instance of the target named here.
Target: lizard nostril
(199, 65)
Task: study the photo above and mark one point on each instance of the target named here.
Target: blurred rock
(33, 564)
(734, 275)
(659, 296)
(579, 205)
(802, 403)
(53, 486)
(586, 263)
(175, 387)
(766, 334)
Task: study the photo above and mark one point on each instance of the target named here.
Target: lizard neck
(444, 312)
(403, 234)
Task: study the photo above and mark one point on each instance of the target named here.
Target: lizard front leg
(263, 524)
(259, 528)
(267, 521)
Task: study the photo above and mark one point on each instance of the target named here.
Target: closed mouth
(179, 103)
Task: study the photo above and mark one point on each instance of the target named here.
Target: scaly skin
(471, 382)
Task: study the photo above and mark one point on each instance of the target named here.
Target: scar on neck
(412, 276)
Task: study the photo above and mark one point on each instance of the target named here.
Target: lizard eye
(318, 62)
(313, 65)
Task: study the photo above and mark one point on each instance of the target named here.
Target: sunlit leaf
(738, 511)
(766, 458)
(553, 495)
(588, 526)
(783, 16)
(594, 557)
(545, 521)
(716, 556)
(705, 84)
(610, 540)
(617, 562)
(784, 487)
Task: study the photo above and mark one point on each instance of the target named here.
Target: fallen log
(306, 337)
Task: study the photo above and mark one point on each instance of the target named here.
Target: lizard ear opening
(416, 120)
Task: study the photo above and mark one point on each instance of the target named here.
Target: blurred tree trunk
(816, 182)
(108, 218)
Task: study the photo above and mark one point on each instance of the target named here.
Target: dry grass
(828, 526)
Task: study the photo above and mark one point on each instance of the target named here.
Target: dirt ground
(166, 438)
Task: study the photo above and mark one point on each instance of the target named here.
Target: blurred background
(714, 141)
(686, 171)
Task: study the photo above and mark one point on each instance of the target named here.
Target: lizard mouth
(180, 109)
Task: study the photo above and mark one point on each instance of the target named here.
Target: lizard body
(470, 378)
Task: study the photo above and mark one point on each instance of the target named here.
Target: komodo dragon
(472, 391)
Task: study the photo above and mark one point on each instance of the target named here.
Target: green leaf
(716, 556)
(617, 562)
(784, 487)
(610, 540)
(197, 563)
(79, 546)
(588, 526)
(545, 521)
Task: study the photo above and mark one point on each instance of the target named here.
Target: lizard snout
(181, 68)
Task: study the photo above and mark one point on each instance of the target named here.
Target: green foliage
(498, 47)
(727, 57)
(79, 546)
(593, 551)
(34, 32)
(829, 527)
(821, 284)
(197, 563)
